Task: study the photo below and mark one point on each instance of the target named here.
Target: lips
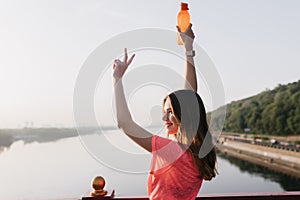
(168, 124)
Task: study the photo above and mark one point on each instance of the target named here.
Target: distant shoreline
(245, 151)
(28, 135)
(283, 138)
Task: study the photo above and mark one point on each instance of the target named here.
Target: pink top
(172, 172)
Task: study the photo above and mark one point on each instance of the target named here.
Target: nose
(165, 116)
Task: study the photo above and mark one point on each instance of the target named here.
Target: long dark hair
(189, 111)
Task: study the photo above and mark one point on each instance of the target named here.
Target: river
(63, 169)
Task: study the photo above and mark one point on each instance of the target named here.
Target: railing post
(99, 193)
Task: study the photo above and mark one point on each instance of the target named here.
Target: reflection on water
(287, 182)
(63, 169)
(58, 170)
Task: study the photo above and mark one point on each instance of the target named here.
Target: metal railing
(242, 196)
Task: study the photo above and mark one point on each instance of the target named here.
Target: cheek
(173, 120)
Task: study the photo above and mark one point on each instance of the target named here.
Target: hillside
(274, 112)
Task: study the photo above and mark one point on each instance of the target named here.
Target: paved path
(285, 155)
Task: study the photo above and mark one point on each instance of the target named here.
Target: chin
(171, 132)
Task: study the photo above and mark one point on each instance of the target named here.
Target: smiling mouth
(168, 125)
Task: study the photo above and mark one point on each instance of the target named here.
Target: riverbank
(281, 160)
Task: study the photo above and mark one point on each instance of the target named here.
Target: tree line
(273, 112)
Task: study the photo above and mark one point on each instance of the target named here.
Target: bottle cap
(184, 6)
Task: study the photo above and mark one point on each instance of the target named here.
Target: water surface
(63, 169)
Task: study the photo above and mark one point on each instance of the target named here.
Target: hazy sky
(254, 44)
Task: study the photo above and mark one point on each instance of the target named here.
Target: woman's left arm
(190, 71)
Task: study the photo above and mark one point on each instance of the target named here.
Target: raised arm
(125, 122)
(190, 72)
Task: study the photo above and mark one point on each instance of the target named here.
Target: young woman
(177, 167)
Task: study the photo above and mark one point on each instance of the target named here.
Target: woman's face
(169, 118)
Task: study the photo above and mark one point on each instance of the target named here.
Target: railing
(100, 194)
(244, 196)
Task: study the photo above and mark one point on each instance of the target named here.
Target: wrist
(190, 53)
(117, 79)
(189, 47)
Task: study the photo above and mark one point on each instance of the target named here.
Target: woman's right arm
(135, 132)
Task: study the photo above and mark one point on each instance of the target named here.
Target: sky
(254, 45)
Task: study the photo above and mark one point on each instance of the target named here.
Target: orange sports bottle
(183, 20)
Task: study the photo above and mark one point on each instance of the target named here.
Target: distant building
(247, 130)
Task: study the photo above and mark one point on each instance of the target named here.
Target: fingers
(189, 29)
(130, 59)
(125, 55)
(125, 63)
(117, 61)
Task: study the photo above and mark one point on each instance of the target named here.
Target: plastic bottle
(183, 20)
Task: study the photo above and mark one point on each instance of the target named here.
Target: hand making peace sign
(120, 67)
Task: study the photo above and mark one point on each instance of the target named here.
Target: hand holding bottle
(187, 37)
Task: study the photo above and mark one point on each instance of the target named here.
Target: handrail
(240, 196)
